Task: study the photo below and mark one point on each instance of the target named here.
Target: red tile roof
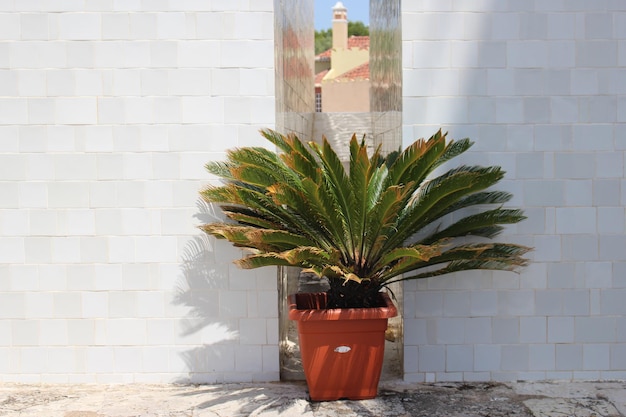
(319, 76)
(359, 42)
(324, 55)
(362, 72)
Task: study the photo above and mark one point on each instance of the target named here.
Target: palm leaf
(438, 194)
(299, 206)
(331, 225)
(382, 221)
(337, 185)
(304, 257)
(416, 161)
(376, 224)
(359, 182)
(219, 168)
(249, 217)
(486, 256)
(453, 149)
(485, 224)
(226, 194)
(478, 199)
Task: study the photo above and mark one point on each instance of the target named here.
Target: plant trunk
(351, 294)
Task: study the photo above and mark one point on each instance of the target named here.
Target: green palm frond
(417, 160)
(478, 199)
(337, 185)
(435, 196)
(488, 256)
(330, 224)
(305, 257)
(248, 217)
(485, 224)
(454, 149)
(219, 168)
(375, 224)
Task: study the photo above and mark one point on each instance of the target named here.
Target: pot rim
(387, 310)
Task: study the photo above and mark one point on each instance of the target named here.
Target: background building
(342, 82)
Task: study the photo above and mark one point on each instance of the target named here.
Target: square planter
(342, 349)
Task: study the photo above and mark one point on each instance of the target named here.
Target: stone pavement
(395, 399)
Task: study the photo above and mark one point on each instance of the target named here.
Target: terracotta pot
(342, 349)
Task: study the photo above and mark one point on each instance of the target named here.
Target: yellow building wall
(343, 60)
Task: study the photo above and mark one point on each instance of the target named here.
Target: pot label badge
(343, 349)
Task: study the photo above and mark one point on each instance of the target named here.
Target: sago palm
(386, 219)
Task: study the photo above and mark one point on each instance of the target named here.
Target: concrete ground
(538, 399)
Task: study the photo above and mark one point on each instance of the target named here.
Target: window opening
(301, 107)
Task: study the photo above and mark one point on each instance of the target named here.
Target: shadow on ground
(393, 400)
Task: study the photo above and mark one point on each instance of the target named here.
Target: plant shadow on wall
(203, 276)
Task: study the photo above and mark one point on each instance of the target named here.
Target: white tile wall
(108, 113)
(539, 87)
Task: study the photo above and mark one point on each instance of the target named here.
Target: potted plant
(383, 220)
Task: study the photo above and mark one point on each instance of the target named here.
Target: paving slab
(395, 399)
(579, 399)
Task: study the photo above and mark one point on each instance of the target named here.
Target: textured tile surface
(539, 91)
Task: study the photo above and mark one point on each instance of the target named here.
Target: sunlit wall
(108, 113)
(540, 87)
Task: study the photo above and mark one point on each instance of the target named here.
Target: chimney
(340, 26)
